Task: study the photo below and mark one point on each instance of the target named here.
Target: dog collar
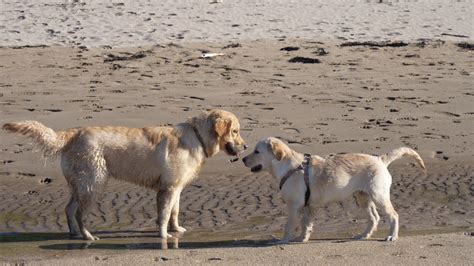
(198, 136)
(305, 167)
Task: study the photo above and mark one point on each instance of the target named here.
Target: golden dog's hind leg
(174, 224)
(71, 210)
(85, 198)
(81, 214)
(87, 178)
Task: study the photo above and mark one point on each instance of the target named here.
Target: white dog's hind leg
(174, 224)
(369, 206)
(393, 216)
(384, 203)
(306, 225)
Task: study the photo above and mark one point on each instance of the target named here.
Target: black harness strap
(305, 168)
(196, 132)
(306, 165)
(290, 173)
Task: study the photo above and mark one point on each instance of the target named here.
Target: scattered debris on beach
(375, 44)
(304, 60)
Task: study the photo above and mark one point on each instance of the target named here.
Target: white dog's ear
(277, 149)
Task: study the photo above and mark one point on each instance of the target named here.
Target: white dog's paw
(178, 229)
(362, 237)
(283, 241)
(391, 238)
(300, 239)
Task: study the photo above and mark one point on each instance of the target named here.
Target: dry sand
(140, 22)
(351, 98)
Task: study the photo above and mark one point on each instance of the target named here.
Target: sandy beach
(324, 77)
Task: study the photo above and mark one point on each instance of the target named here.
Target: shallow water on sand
(19, 246)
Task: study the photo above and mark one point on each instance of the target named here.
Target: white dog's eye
(235, 131)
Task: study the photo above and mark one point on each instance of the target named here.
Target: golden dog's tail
(50, 141)
(396, 154)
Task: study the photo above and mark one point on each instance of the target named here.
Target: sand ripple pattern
(353, 98)
(221, 202)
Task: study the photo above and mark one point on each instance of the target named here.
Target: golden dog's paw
(75, 236)
(91, 238)
(178, 229)
(165, 235)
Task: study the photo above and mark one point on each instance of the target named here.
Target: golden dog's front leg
(164, 201)
(174, 224)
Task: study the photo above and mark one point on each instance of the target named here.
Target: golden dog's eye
(256, 152)
(235, 131)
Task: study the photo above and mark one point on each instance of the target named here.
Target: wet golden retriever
(330, 179)
(164, 159)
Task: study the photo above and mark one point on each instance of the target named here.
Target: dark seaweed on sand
(112, 57)
(375, 44)
(304, 60)
(466, 45)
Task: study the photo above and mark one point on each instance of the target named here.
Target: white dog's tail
(50, 141)
(396, 154)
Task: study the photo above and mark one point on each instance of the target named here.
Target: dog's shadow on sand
(12, 237)
(139, 240)
(173, 243)
(176, 243)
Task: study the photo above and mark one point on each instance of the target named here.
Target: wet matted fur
(331, 179)
(164, 159)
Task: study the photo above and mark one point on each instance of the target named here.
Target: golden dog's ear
(277, 149)
(221, 126)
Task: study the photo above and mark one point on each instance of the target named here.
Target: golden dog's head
(266, 151)
(220, 130)
(226, 128)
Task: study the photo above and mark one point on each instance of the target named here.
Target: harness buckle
(307, 159)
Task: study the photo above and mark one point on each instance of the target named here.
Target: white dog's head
(266, 152)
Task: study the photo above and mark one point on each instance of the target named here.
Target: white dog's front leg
(306, 225)
(290, 225)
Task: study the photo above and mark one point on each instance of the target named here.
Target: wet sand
(334, 93)
(452, 248)
(359, 98)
